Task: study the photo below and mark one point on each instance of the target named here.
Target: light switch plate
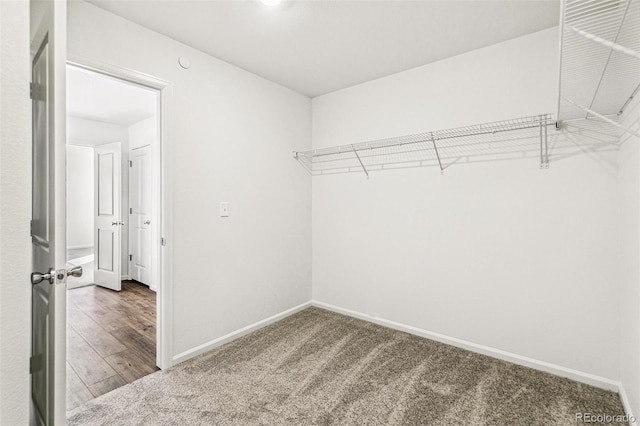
(224, 209)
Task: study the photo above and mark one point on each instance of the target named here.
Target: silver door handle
(147, 222)
(76, 271)
(38, 277)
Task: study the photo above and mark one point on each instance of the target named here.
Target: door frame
(164, 267)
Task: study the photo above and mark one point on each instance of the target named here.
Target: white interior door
(107, 223)
(140, 221)
(48, 302)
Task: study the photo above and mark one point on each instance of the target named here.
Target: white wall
(629, 219)
(231, 135)
(15, 204)
(143, 133)
(79, 196)
(85, 132)
(501, 254)
(90, 133)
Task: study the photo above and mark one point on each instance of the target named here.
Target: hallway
(111, 339)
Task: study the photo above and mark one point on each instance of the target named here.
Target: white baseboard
(627, 406)
(547, 367)
(236, 334)
(125, 278)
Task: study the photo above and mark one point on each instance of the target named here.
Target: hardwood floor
(111, 339)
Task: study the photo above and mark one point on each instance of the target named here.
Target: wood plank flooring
(111, 339)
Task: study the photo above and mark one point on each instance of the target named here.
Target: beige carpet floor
(320, 368)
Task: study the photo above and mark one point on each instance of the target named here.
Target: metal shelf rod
(605, 42)
(563, 7)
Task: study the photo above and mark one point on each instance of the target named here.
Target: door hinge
(31, 228)
(130, 163)
(130, 257)
(130, 210)
(32, 364)
(35, 363)
(30, 90)
(163, 241)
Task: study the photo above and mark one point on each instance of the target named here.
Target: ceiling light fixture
(271, 3)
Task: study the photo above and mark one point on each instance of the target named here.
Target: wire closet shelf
(599, 60)
(519, 137)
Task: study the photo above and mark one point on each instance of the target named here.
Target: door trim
(164, 268)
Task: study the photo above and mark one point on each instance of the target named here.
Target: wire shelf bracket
(435, 148)
(360, 161)
(602, 117)
(544, 147)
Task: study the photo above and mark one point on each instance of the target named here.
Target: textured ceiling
(316, 47)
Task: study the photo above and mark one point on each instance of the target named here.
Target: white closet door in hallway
(140, 207)
(108, 224)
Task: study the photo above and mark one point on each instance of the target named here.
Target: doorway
(111, 310)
